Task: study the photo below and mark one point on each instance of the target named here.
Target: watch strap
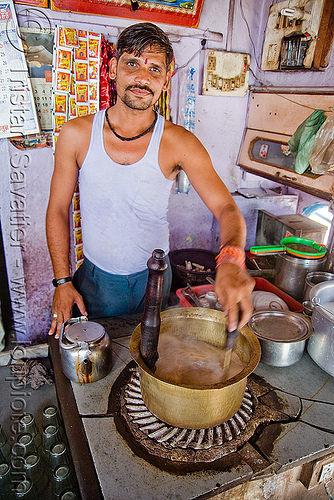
(61, 281)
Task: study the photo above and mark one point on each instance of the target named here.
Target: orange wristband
(231, 254)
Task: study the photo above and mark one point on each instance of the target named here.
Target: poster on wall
(18, 115)
(76, 59)
(178, 12)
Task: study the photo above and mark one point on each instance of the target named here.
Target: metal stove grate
(174, 437)
(184, 450)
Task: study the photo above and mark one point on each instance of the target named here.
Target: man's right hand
(64, 298)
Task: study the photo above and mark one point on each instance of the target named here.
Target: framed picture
(177, 12)
(35, 3)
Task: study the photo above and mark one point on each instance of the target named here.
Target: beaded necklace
(136, 136)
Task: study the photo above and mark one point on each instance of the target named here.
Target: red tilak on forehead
(146, 60)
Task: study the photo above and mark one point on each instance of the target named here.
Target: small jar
(211, 297)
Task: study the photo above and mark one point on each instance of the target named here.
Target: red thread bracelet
(232, 255)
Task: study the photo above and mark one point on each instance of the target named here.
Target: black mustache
(141, 87)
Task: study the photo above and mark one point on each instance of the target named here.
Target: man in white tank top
(126, 159)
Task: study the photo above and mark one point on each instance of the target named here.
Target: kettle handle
(70, 321)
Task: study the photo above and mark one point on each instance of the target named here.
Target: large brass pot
(197, 408)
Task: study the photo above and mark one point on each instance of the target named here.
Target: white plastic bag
(322, 155)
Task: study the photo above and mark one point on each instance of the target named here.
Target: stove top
(185, 450)
(302, 394)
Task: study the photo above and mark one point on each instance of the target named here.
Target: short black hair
(137, 37)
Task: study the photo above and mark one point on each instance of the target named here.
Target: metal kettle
(85, 350)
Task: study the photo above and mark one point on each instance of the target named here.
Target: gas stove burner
(173, 437)
(186, 450)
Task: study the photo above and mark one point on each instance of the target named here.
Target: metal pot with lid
(85, 350)
(315, 278)
(282, 335)
(295, 258)
(291, 272)
(321, 344)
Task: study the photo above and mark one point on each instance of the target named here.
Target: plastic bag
(322, 155)
(302, 141)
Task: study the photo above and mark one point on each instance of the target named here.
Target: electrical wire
(267, 84)
(204, 35)
(177, 68)
(249, 33)
(302, 105)
(261, 82)
(203, 44)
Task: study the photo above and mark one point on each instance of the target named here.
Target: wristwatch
(61, 281)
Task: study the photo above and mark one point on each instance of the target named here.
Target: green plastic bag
(302, 141)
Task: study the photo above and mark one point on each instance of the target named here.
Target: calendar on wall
(43, 100)
(18, 114)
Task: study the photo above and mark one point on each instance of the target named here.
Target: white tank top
(123, 207)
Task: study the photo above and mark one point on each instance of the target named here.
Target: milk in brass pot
(185, 405)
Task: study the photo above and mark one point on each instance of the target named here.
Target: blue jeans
(108, 294)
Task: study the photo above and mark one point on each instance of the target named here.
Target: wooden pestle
(150, 324)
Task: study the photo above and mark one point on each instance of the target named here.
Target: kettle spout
(86, 367)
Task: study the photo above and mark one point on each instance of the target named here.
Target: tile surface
(92, 399)
(124, 476)
(304, 379)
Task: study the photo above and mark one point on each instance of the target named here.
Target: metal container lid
(87, 331)
(316, 277)
(280, 326)
(324, 291)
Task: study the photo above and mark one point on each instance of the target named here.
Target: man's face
(140, 79)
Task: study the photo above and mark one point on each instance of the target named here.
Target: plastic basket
(260, 284)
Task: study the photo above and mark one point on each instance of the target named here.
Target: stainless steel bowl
(282, 335)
